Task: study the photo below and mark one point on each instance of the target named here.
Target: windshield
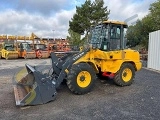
(98, 34)
(26, 46)
(8, 46)
(40, 46)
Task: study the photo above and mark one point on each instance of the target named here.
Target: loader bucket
(32, 87)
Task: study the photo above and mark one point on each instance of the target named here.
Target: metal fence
(154, 50)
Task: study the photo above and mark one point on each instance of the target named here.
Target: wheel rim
(83, 79)
(127, 75)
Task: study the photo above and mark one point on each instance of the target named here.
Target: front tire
(125, 76)
(81, 78)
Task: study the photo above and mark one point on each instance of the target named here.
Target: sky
(50, 18)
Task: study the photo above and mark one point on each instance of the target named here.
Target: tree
(155, 14)
(99, 13)
(133, 34)
(74, 38)
(90, 13)
(139, 33)
(81, 20)
(146, 28)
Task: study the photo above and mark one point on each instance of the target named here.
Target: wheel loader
(105, 55)
(8, 50)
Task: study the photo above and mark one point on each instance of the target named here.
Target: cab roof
(115, 22)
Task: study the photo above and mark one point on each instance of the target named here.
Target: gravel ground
(140, 101)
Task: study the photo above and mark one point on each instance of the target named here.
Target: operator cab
(25, 46)
(40, 46)
(108, 36)
(9, 46)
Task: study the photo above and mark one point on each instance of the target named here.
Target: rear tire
(125, 76)
(81, 78)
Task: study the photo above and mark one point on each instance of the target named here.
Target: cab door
(116, 42)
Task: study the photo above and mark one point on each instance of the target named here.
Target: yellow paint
(18, 77)
(81, 48)
(126, 75)
(115, 22)
(83, 79)
(66, 71)
(31, 97)
(7, 54)
(23, 72)
(111, 61)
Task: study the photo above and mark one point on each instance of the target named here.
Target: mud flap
(35, 88)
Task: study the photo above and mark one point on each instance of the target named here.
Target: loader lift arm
(37, 88)
(61, 68)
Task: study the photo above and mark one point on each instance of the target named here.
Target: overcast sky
(50, 18)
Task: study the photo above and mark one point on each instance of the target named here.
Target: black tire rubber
(99, 75)
(118, 76)
(72, 78)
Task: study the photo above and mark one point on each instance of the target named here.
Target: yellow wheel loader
(105, 55)
(8, 50)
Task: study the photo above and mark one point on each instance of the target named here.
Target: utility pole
(53, 34)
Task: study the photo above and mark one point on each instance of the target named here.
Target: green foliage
(88, 14)
(81, 20)
(155, 14)
(99, 12)
(74, 38)
(139, 33)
